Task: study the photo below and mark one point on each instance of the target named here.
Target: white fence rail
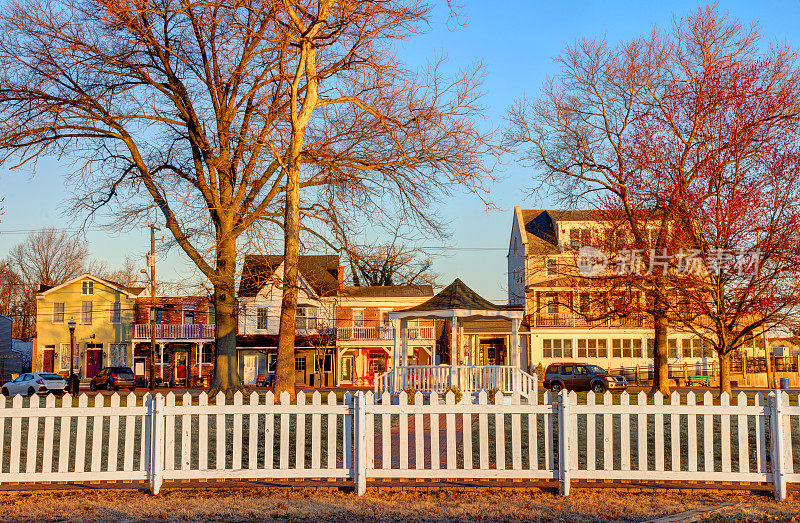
(439, 378)
(621, 437)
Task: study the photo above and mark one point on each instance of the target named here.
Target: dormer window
(87, 288)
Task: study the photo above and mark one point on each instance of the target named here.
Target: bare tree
(46, 257)
(630, 129)
(218, 114)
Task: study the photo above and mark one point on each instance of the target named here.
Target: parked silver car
(32, 383)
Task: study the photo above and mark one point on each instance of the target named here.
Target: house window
(87, 288)
(159, 355)
(377, 364)
(358, 318)
(584, 303)
(156, 314)
(385, 319)
(115, 312)
(188, 313)
(86, 312)
(58, 313)
(118, 354)
(306, 318)
(300, 364)
(651, 348)
(205, 354)
(552, 304)
(692, 348)
(592, 348)
(552, 267)
(672, 346)
(558, 348)
(261, 318)
(212, 315)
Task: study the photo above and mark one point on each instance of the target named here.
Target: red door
(47, 363)
(94, 362)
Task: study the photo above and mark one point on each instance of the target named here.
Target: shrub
(491, 393)
(540, 373)
(456, 393)
(411, 392)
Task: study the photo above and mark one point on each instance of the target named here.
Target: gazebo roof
(457, 300)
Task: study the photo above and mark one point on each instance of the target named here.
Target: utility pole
(151, 261)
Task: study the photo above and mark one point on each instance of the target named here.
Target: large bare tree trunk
(660, 351)
(284, 373)
(725, 373)
(226, 368)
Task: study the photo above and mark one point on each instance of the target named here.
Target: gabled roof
(389, 291)
(541, 227)
(131, 292)
(456, 296)
(319, 271)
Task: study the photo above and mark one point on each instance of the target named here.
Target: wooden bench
(699, 379)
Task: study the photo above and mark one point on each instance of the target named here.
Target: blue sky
(516, 41)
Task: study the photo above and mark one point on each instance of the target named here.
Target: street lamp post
(71, 324)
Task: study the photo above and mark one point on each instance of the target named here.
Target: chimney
(340, 275)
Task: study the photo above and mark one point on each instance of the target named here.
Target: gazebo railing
(467, 378)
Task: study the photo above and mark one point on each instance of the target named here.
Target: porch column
(395, 354)
(454, 349)
(404, 342)
(515, 353)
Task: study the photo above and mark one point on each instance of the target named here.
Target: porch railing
(577, 320)
(438, 378)
(195, 331)
(381, 333)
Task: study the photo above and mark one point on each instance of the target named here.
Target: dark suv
(113, 378)
(578, 376)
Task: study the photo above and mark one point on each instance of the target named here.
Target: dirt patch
(387, 504)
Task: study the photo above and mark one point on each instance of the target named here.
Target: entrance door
(346, 369)
(250, 363)
(493, 351)
(300, 370)
(47, 361)
(94, 361)
(180, 368)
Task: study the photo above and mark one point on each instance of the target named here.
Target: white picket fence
(622, 437)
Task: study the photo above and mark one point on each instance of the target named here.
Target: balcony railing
(577, 320)
(381, 333)
(195, 331)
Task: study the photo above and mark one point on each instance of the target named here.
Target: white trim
(84, 276)
(457, 313)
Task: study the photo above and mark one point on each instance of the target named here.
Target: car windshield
(594, 369)
(123, 370)
(50, 376)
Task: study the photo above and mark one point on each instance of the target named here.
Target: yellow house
(103, 314)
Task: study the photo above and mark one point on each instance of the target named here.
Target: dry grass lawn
(387, 504)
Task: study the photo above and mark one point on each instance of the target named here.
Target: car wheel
(598, 387)
(5, 391)
(31, 392)
(91, 386)
(556, 387)
(132, 389)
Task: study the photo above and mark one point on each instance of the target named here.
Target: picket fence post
(360, 444)
(564, 444)
(156, 415)
(778, 453)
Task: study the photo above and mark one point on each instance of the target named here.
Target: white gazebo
(457, 303)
